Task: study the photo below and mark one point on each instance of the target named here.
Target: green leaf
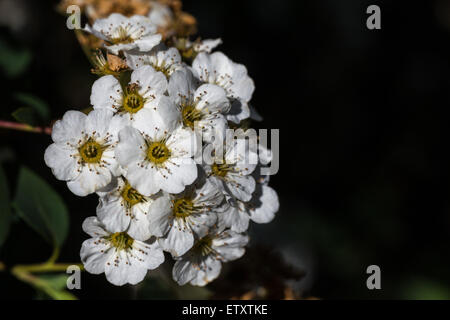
(41, 207)
(13, 61)
(5, 209)
(54, 286)
(35, 103)
(26, 115)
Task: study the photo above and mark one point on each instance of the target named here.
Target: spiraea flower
(122, 34)
(122, 258)
(140, 96)
(203, 263)
(179, 219)
(157, 153)
(161, 102)
(260, 209)
(166, 61)
(122, 208)
(201, 107)
(217, 68)
(232, 168)
(83, 152)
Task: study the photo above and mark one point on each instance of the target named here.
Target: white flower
(157, 153)
(203, 263)
(122, 208)
(123, 34)
(160, 15)
(206, 45)
(217, 68)
(166, 61)
(141, 95)
(122, 258)
(83, 150)
(179, 219)
(260, 209)
(232, 172)
(201, 106)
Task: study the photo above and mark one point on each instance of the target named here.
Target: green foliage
(41, 207)
(53, 286)
(13, 61)
(34, 111)
(5, 209)
(424, 289)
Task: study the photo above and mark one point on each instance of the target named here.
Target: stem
(24, 127)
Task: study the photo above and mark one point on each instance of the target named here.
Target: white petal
(182, 143)
(182, 86)
(158, 124)
(183, 271)
(98, 121)
(210, 272)
(112, 213)
(180, 173)
(202, 222)
(94, 255)
(159, 216)
(212, 98)
(121, 269)
(69, 128)
(230, 245)
(106, 93)
(93, 227)
(178, 240)
(131, 147)
(58, 158)
(239, 111)
(149, 42)
(264, 207)
(88, 182)
(150, 81)
(240, 186)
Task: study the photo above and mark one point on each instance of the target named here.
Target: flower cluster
(142, 151)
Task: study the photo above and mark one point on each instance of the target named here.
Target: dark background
(364, 166)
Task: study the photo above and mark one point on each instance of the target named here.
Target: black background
(364, 167)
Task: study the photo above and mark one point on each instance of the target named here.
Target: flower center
(121, 36)
(131, 196)
(190, 116)
(133, 101)
(91, 151)
(121, 240)
(165, 69)
(203, 246)
(183, 208)
(220, 169)
(157, 152)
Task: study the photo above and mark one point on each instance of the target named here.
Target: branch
(24, 127)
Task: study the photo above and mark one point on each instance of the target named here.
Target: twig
(24, 127)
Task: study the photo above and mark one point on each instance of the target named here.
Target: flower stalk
(24, 127)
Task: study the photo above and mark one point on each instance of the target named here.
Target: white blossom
(83, 152)
(160, 14)
(232, 169)
(122, 258)
(141, 95)
(157, 153)
(122, 33)
(202, 107)
(166, 61)
(122, 208)
(217, 68)
(260, 209)
(203, 263)
(179, 219)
